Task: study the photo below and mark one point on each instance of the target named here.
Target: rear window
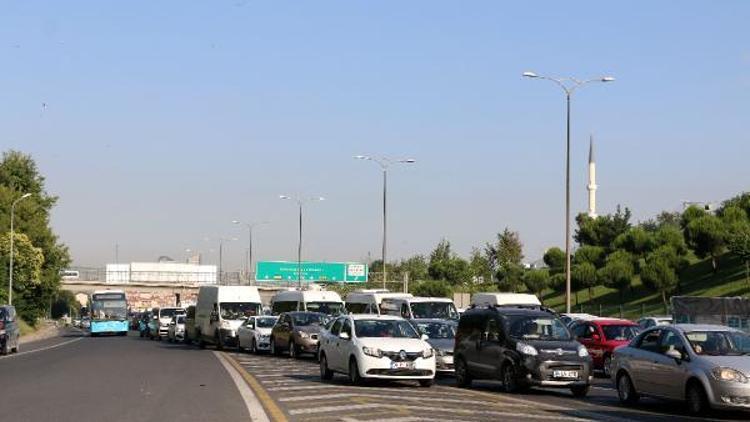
(620, 332)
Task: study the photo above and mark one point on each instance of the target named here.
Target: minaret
(592, 180)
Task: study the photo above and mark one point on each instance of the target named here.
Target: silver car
(706, 366)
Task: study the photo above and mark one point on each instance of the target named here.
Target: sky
(158, 123)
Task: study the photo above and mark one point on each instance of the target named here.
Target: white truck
(221, 310)
(322, 301)
(368, 301)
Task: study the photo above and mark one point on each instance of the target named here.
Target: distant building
(161, 272)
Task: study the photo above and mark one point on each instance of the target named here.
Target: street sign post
(312, 272)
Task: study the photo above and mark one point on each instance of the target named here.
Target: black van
(521, 347)
(9, 331)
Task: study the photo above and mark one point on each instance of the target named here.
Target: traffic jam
(393, 355)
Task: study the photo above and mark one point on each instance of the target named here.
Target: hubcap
(624, 388)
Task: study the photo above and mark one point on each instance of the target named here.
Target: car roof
(511, 311)
(703, 327)
(658, 318)
(433, 321)
(419, 299)
(359, 317)
(302, 313)
(612, 321)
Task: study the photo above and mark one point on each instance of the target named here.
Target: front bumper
(541, 372)
(381, 368)
(263, 343)
(307, 344)
(725, 395)
(229, 336)
(444, 364)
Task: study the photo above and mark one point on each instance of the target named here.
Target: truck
(221, 310)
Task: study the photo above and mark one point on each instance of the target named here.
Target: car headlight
(526, 349)
(582, 351)
(729, 375)
(372, 351)
(428, 353)
(303, 334)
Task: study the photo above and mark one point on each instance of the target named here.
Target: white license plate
(402, 365)
(565, 374)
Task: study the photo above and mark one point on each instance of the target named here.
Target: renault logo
(402, 355)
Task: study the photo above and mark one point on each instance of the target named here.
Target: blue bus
(109, 313)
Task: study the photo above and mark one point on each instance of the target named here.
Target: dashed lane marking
(419, 398)
(268, 403)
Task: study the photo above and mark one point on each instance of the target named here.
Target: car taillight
(2, 325)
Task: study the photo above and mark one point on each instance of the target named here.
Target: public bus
(109, 313)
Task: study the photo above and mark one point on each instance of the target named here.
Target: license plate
(402, 365)
(565, 374)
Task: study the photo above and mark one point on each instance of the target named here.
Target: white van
(420, 308)
(505, 299)
(368, 301)
(221, 310)
(322, 301)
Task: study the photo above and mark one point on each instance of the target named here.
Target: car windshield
(384, 328)
(239, 310)
(308, 319)
(436, 310)
(265, 322)
(328, 308)
(619, 332)
(527, 327)
(437, 330)
(719, 343)
(169, 313)
(109, 309)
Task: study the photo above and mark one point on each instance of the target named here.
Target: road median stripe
(272, 409)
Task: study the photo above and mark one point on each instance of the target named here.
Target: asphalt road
(78, 378)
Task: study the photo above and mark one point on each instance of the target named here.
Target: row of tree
(38, 254)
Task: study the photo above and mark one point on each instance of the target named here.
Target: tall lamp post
(384, 164)
(300, 203)
(569, 86)
(12, 235)
(250, 227)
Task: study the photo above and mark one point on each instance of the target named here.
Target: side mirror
(344, 336)
(425, 337)
(674, 354)
(596, 337)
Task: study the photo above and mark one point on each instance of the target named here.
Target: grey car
(442, 335)
(706, 366)
(9, 331)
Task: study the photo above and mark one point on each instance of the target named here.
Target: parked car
(706, 366)
(9, 330)
(255, 333)
(521, 346)
(176, 329)
(190, 331)
(134, 320)
(602, 336)
(158, 327)
(86, 323)
(296, 333)
(143, 324)
(648, 322)
(441, 336)
(372, 346)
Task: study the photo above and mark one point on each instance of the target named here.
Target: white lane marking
(348, 408)
(254, 408)
(401, 419)
(304, 387)
(397, 394)
(54, 346)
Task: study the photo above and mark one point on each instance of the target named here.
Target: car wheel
(607, 366)
(6, 348)
(354, 376)
(325, 373)
(697, 403)
(427, 383)
(580, 391)
(510, 381)
(141, 333)
(253, 346)
(293, 352)
(626, 391)
(218, 341)
(463, 379)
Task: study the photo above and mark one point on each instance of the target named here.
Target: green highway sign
(312, 272)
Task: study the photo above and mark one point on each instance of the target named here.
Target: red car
(602, 336)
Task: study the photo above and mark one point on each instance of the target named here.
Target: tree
(741, 201)
(446, 265)
(593, 255)
(18, 175)
(584, 276)
(618, 272)
(659, 275)
(706, 236)
(505, 258)
(509, 277)
(554, 258)
(536, 281)
(479, 266)
(432, 288)
(638, 241)
(27, 271)
(603, 230)
(416, 267)
(738, 242)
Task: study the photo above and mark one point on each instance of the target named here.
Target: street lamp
(569, 86)
(12, 235)
(250, 227)
(221, 252)
(384, 163)
(300, 203)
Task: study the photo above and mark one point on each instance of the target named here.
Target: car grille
(396, 356)
(401, 372)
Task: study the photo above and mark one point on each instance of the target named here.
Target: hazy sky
(166, 120)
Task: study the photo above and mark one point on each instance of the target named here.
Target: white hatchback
(255, 333)
(379, 347)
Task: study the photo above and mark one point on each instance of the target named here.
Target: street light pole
(12, 235)
(300, 203)
(250, 227)
(568, 85)
(384, 163)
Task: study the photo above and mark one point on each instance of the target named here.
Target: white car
(176, 329)
(255, 333)
(371, 346)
